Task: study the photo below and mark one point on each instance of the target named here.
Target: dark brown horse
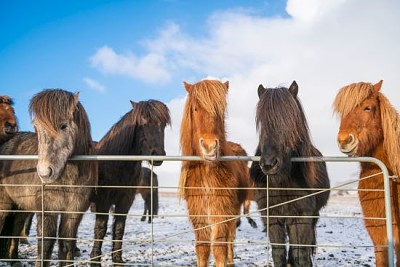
(370, 126)
(49, 185)
(284, 134)
(8, 121)
(8, 128)
(203, 183)
(139, 132)
(145, 183)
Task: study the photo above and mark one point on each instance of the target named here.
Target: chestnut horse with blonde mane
(370, 126)
(203, 183)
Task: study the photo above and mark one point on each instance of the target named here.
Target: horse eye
(368, 108)
(63, 126)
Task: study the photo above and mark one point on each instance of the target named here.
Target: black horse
(139, 132)
(283, 134)
(150, 205)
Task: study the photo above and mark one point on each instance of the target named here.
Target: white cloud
(95, 85)
(149, 68)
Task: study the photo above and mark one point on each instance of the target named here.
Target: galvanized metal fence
(385, 174)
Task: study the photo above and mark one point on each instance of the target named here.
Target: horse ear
(378, 86)
(76, 98)
(133, 104)
(226, 84)
(294, 88)
(260, 90)
(188, 86)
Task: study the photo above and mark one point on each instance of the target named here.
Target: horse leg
(17, 230)
(377, 231)
(301, 232)
(246, 211)
(67, 234)
(219, 238)
(100, 230)
(26, 229)
(277, 236)
(46, 238)
(122, 207)
(231, 239)
(145, 205)
(202, 243)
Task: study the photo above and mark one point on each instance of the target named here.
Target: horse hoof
(77, 252)
(142, 219)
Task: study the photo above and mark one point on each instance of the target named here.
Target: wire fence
(147, 239)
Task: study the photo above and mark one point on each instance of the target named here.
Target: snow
(341, 237)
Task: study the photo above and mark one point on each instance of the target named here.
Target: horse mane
(279, 111)
(209, 95)
(351, 96)
(120, 135)
(4, 99)
(391, 131)
(52, 106)
(292, 126)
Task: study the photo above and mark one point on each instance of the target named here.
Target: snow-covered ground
(341, 237)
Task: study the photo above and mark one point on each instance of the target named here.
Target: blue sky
(48, 44)
(116, 51)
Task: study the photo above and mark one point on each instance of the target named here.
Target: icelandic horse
(52, 185)
(370, 127)
(283, 134)
(139, 132)
(203, 183)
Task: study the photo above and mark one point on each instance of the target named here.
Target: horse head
(204, 117)
(280, 122)
(8, 121)
(360, 127)
(58, 118)
(151, 117)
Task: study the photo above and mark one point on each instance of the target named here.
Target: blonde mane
(211, 96)
(391, 132)
(353, 95)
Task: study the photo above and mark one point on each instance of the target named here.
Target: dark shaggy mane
(280, 111)
(4, 99)
(121, 134)
(280, 114)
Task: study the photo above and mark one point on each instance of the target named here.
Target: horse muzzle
(209, 149)
(348, 144)
(46, 174)
(269, 166)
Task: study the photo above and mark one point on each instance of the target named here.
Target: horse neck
(119, 141)
(379, 152)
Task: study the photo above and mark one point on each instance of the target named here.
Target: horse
(239, 151)
(145, 183)
(8, 120)
(202, 183)
(51, 185)
(283, 134)
(8, 128)
(370, 126)
(139, 132)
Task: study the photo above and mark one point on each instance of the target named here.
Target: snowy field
(341, 237)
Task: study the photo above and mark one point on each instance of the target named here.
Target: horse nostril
(201, 142)
(350, 139)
